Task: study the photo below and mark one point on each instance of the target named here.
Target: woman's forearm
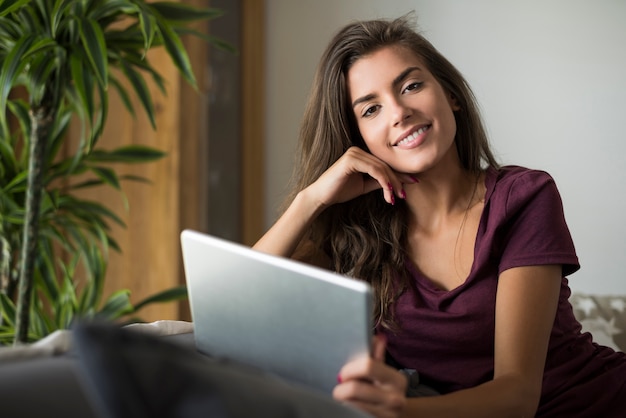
(285, 235)
(502, 397)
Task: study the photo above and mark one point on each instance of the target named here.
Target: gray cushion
(43, 387)
(134, 375)
(602, 316)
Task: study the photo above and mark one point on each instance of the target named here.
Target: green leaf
(169, 295)
(9, 6)
(49, 282)
(10, 30)
(48, 203)
(92, 39)
(83, 82)
(139, 85)
(11, 67)
(41, 324)
(99, 182)
(142, 64)
(29, 20)
(147, 22)
(20, 109)
(82, 207)
(123, 95)
(102, 114)
(58, 12)
(67, 296)
(183, 13)
(116, 306)
(108, 176)
(8, 159)
(92, 292)
(43, 68)
(39, 47)
(66, 167)
(127, 154)
(8, 310)
(214, 40)
(176, 50)
(61, 124)
(18, 184)
(217, 42)
(111, 9)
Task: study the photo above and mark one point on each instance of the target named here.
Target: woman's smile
(414, 139)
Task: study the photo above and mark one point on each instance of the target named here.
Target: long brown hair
(366, 237)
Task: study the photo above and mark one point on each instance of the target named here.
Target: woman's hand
(355, 173)
(372, 386)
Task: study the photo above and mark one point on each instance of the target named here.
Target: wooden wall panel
(253, 125)
(149, 261)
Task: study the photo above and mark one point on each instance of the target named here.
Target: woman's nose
(400, 112)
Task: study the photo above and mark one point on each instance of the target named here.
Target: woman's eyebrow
(396, 81)
(400, 78)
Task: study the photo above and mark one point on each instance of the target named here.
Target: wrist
(308, 201)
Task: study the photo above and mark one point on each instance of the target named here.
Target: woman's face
(404, 115)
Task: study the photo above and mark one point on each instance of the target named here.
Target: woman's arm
(355, 173)
(286, 234)
(526, 305)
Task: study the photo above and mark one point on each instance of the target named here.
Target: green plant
(53, 245)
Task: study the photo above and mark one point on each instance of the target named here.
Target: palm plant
(59, 56)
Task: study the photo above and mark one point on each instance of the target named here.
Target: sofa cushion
(48, 386)
(604, 317)
(134, 374)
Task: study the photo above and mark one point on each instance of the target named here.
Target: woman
(467, 259)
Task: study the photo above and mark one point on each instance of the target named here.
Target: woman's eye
(370, 111)
(413, 86)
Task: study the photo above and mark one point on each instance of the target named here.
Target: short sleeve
(535, 230)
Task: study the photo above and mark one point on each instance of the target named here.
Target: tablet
(284, 317)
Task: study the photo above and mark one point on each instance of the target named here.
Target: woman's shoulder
(512, 187)
(509, 178)
(514, 173)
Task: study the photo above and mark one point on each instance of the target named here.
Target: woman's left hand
(370, 385)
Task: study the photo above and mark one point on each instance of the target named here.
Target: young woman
(396, 185)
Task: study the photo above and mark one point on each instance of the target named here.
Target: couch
(146, 370)
(101, 371)
(602, 316)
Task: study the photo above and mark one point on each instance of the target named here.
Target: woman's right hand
(356, 173)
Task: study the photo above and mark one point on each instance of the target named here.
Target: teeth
(414, 135)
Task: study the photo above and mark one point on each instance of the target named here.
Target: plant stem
(41, 121)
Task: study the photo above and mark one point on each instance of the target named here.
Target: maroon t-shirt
(448, 336)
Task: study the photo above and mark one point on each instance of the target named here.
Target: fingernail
(339, 378)
(390, 186)
(415, 179)
(393, 199)
(403, 194)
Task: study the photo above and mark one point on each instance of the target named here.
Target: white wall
(550, 76)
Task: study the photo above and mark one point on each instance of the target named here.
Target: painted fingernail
(339, 378)
(390, 186)
(403, 194)
(415, 179)
(393, 199)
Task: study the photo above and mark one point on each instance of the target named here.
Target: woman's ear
(453, 102)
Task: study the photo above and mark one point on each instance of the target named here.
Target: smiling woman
(396, 185)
